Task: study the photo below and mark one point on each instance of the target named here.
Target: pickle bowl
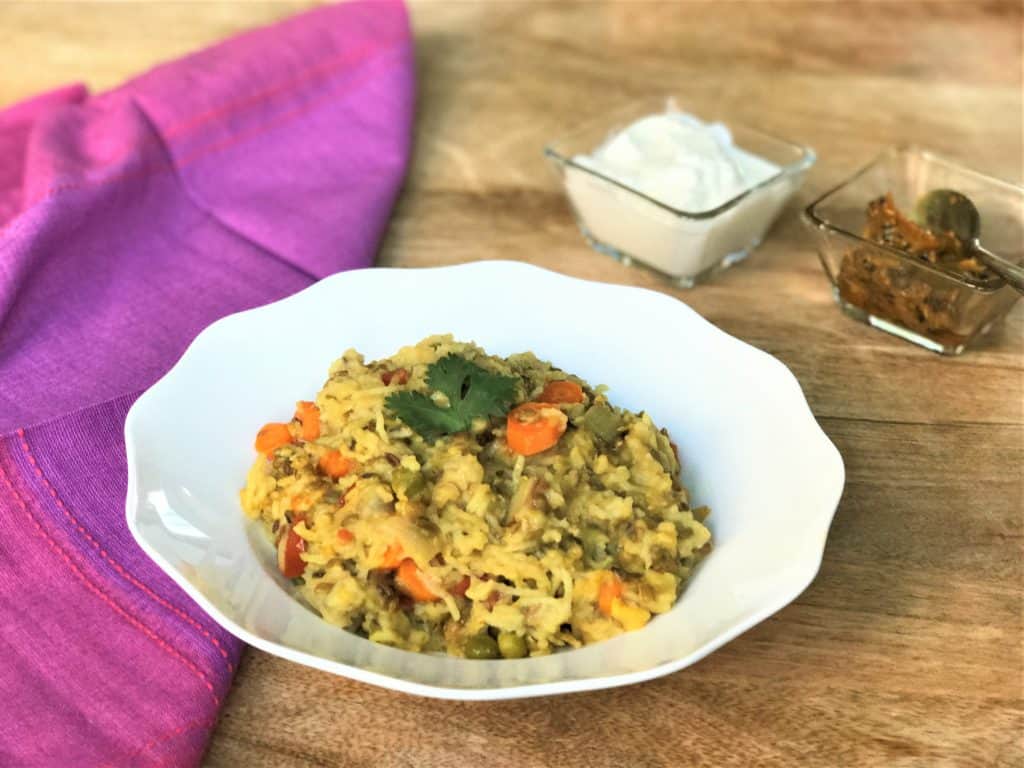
(940, 309)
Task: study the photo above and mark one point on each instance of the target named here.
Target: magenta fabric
(130, 220)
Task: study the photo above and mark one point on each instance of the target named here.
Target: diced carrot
(608, 592)
(336, 465)
(345, 535)
(398, 376)
(272, 436)
(289, 550)
(534, 427)
(460, 587)
(562, 391)
(410, 580)
(391, 558)
(309, 416)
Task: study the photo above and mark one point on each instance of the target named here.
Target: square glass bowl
(923, 303)
(685, 246)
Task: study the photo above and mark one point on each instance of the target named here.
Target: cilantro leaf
(471, 389)
(472, 393)
(423, 415)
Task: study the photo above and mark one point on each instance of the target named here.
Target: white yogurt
(688, 165)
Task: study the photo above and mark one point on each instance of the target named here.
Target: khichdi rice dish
(447, 500)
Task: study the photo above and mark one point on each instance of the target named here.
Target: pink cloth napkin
(130, 220)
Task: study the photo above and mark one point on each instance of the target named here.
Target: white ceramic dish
(750, 448)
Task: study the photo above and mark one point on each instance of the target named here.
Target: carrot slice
(336, 465)
(562, 391)
(410, 580)
(272, 436)
(345, 535)
(289, 550)
(309, 416)
(534, 427)
(392, 557)
(609, 591)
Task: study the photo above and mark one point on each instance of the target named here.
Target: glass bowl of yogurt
(684, 196)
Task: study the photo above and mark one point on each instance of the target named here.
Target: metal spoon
(944, 210)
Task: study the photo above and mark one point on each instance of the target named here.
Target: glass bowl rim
(812, 218)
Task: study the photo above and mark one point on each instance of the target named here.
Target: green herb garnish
(472, 393)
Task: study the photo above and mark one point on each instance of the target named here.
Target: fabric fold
(130, 220)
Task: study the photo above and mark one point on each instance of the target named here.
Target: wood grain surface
(907, 648)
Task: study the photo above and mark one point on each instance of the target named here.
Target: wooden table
(907, 648)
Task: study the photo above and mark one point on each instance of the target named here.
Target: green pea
(512, 646)
(482, 647)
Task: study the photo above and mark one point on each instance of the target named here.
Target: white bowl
(750, 448)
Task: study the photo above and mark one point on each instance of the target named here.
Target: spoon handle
(1010, 272)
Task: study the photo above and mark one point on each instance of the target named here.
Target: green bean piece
(595, 548)
(603, 422)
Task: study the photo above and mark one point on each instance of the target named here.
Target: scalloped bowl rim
(140, 411)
